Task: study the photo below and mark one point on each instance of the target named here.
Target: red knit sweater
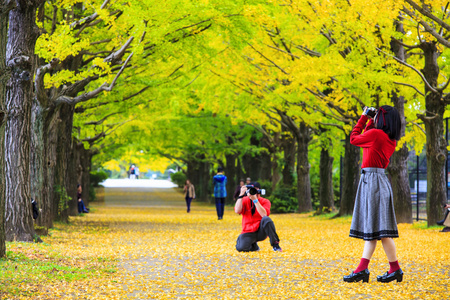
(376, 144)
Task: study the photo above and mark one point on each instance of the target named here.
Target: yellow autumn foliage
(161, 252)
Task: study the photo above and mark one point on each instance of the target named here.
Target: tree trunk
(252, 163)
(40, 166)
(350, 178)
(20, 56)
(303, 180)
(86, 162)
(398, 171)
(3, 81)
(288, 146)
(436, 143)
(326, 192)
(65, 197)
(265, 161)
(198, 174)
(398, 166)
(230, 172)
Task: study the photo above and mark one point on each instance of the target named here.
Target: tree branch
(427, 14)
(89, 95)
(99, 122)
(428, 28)
(268, 59)
(418, 126)
(405, 45)
(41, 95)
(410, 85)
(331, 124)
(411, 67)
(82, 23)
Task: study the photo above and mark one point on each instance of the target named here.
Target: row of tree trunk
(38, 157)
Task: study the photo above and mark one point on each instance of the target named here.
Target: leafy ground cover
(144, 249)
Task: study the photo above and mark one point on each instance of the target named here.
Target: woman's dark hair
(388, 120)
(78, 185)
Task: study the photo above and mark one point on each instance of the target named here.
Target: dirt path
(167, 253)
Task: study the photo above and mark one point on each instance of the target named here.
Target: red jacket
(376, 144)
(251, 223)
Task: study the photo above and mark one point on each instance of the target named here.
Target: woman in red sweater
(373, 215)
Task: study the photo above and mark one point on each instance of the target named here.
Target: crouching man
(256, 224)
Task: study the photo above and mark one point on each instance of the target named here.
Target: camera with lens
(371, 112)
(252, 190)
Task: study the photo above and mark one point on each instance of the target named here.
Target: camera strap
(253, 206)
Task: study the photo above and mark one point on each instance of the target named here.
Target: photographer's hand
(261, 210)
(243, 190)
(238, 204)
(366, 108)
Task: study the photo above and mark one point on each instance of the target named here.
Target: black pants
(188, 203)
(247, 241)
(220, 206)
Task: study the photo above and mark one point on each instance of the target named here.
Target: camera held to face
(252, 190)
(371, 112)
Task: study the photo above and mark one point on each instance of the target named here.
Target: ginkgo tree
(306, 48)
(84, 49)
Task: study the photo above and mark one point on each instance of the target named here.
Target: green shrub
(179, 178)
(284, 200)
(98, 176)
(267, 185)
(92, 195)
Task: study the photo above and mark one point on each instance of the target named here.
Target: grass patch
(423, 225)
(65, 258)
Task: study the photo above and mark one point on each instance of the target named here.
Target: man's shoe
(355, 277)
(255, 247)
(277, 248)
(386, 277)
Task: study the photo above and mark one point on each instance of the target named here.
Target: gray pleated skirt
(374, 215)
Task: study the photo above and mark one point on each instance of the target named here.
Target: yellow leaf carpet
(141, 244)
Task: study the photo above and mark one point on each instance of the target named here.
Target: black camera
(371, 112)
(252, 190)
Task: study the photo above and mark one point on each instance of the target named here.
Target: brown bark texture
(288, 144)
(20, 57)
(198, 172)
(326, 192)
(398, 171)
(303, 167)
(436, 144)
(3, 81)
(350, 180)
(398, 167)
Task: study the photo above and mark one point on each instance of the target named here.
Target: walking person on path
(373, 215)
(189, 194)
(220, 191)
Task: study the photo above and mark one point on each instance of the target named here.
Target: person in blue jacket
(220, 191)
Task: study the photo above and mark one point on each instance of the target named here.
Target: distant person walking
(248, 181)
(136, 172)
(81, 207)
(132, 172)
(237, 191)
(189, 194)
(220, 191)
